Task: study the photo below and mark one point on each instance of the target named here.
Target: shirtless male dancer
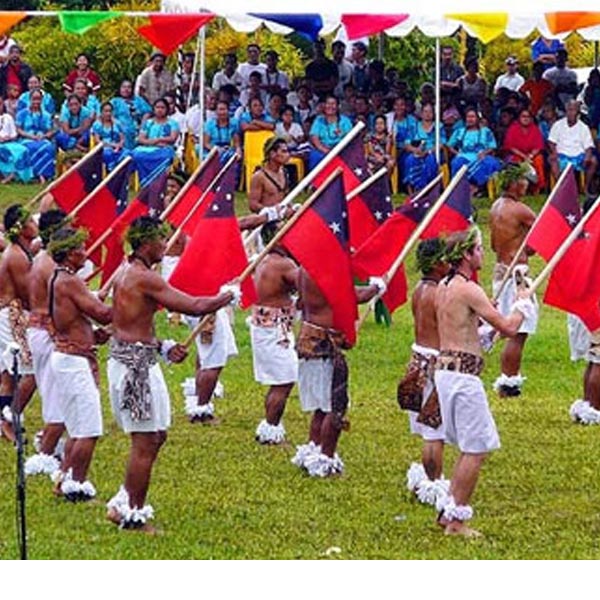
(510, 221)
(15, 265)
(323, 376)
(273, 344)
(416, 391)
(74, 362)
(40, 339)
(269, 184)
(138, 392)
(468, 422)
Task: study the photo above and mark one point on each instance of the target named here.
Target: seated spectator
(305, 108)
(130, 110)
(14, 158)
(184, 79)
(451, 122)
(376, 77)
(321, 73)
(360, 68)
(75, 123)
(473, 87)
(6, 43)
(82, 71)
(254, 90)
(14, 71)
(34, 84)
(222, 133)
(276, 103)
(507, 116)
(230, 94)
(228, 75)
(293, 134)
(403, 127)
(156, 143)
(255, 118)
(590, 96)
(563, 79)
(11, 102)
(274, 81)
(177, 116)
(548, 117)
(420, 166)
(426, 96)
(89, 101)
(537, 89)
(378, 146)
(36, 131)
(155, 80)
(347, 102)
(252, 64)
(345, 70)
(450, 73)
(327, 131)
(362, 111)
(570, 141)
(474, 145)
(106, 129)
(512, 79)
(524, 142)
(543, 52)
(377, 102)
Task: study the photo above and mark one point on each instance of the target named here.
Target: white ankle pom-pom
(321, 465)
(193, 409)
(270, 434)
(583, 412)
(414, 476)
(429, 492)
(41, 464)
(303, 452)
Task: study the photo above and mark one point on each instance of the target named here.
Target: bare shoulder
(525, 212)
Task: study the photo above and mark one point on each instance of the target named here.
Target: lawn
(218, 494)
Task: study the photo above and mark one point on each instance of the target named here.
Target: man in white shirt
(228, 75)
(345, 68)
(252, 64)
(570, 141)
(563, 79)
(274, 80)
(511, 80)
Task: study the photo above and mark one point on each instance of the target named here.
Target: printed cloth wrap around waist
(138, 358)
(207, 331)
(316, 342)
(420, 369)
(459, 361)
(38, 321)
(88, 351)
(275, 316)
(18, 319)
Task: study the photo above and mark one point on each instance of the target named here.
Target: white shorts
(508, 297)
(315, 377)
(80, 398)
(466, 415)
(582, 342)
(167, 266)
(6, 340)
(161, 404)
(42, 346)
(216, 354)
(274, 355)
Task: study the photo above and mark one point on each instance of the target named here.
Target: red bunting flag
(358, 26)
(168, 32)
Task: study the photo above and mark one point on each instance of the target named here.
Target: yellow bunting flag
(484, 26)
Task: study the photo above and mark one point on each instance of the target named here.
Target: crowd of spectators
(546, 120)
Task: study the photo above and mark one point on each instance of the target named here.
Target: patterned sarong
(19, 321)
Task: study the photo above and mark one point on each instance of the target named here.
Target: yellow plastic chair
(254, 142)
(298, 164)
(394, 177)
(190, 158)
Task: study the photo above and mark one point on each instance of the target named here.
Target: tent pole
(380, 46)
(437, 100)
(596, 53)
(202, 45)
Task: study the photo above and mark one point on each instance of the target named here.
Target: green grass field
(218, 494)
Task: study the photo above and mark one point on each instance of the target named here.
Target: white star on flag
(572, 219)
(388, 199)
(378, 215)
(228, 196)
(344, 214)
(335, 227)
(215, 207)
(358, 172)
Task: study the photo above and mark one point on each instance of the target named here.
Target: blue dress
(151, 161)
(420, 170)
(48, 104)
(404, 132)
(130, 112)
(112, 135)
(221, 137)
(92, 104)
(469, 143)
(14, 158)
(329, 134)
(42, 153)
(66, 141)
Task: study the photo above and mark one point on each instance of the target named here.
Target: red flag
(101, 209)
(319, 241)
(215, 254)
(352, 160)
(185, 204)
(557, 220)
(365, 25)
(150, 200)
(167, 32)
(456, 214)
(368, 210)
(574, 285)
(79, 183)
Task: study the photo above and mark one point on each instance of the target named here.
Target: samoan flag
(456, 214)
(79, 183)
(320, 242)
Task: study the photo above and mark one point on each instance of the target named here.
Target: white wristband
(232, 289)
(379, 283)
(165, 347)
(525, 306)
(271, 212)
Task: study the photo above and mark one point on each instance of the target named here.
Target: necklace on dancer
(429, 280)
(26, 250)
(463, 275)
(142, 260)
(65, 270)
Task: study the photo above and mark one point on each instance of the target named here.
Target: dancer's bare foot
(7, 431)
(113, 516)
(205, 420)
(459, 528)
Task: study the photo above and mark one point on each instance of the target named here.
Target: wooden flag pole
(274, 241)
(414, 238)
(556, 257)
(304, 183)
(99, 187)
(359, 189)
(62, 177)
(521, 249)
(177, 232)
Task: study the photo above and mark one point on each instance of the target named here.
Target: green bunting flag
(79, 22)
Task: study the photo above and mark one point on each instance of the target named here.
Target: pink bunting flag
(358, 26)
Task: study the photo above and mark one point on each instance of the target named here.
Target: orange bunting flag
(9, 20)
(561, 22)
(167, 32)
